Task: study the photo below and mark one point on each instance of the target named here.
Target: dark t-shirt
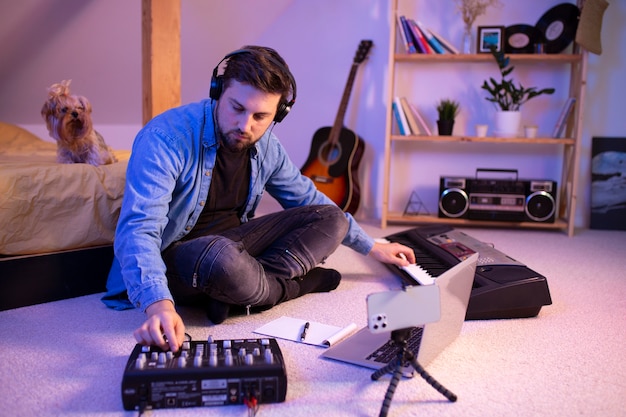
(228, 194)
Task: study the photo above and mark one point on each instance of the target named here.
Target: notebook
(426, 341)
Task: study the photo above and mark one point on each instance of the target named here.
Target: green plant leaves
(448, 109)
(505, 94)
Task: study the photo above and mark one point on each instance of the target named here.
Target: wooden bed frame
(41, 278)
(35, 279)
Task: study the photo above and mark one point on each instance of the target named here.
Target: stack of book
(409, 120)
(417, 39)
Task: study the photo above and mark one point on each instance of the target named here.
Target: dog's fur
(68, 119)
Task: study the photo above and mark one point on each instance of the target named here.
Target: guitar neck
(343, 106)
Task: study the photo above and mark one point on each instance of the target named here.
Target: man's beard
(231, 142)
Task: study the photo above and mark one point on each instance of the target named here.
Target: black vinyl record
(557, 27)
(520, 39)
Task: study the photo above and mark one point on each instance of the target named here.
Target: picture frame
(487, 36)
(608, 183)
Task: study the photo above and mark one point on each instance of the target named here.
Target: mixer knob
(256, 351)
(181, 362)
(228, 360)
(227, 344)
(197, 361)
(213, 360)
(269, 357)
(161, 360)
(249, 359)
(139, 363)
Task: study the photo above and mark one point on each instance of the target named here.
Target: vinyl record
(520, 39)
(557, 27)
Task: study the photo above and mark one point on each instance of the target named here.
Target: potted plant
(447, 110)
(508, 96)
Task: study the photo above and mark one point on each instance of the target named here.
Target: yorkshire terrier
(68, 119)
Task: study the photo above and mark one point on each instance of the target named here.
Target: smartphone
(400, 309)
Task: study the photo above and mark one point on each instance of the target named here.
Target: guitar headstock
(363, 50)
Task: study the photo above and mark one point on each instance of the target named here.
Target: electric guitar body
(336, 151)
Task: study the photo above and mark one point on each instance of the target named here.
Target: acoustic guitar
(336, 152)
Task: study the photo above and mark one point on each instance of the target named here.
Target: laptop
(375, 350)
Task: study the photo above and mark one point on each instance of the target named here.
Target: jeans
(254, 264)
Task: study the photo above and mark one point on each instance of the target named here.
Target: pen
(303, 334)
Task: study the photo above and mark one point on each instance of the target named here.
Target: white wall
(97, 44)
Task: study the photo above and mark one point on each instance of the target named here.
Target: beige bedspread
(46, 206)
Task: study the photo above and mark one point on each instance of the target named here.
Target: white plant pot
(508, 124)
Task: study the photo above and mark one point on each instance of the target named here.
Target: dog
(68, 119)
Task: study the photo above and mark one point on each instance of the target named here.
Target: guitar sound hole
(329, 153)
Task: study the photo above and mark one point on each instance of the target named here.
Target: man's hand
(163, 320)
(392, 253)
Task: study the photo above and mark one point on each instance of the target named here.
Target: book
(410, 45)
(403, 124)
(317, 334)
(561, 122)
(419, 38)
(434, 43)
(408, 33)
(410, 118)
(420, 120)
(447, 45)
(396, 116)
(402, 35)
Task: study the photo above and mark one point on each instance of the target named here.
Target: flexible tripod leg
(399, 337)
(391, 389)
(385, 369)
(429, 378)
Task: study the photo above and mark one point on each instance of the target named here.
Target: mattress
(46, 206)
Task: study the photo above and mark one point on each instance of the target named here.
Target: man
(187, 231)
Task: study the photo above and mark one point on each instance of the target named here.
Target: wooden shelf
(487, 139)
(469, 58)
(402, 218)
(574, 63)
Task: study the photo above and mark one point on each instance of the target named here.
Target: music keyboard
(503, 287)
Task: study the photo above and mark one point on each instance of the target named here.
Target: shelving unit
(568, 184)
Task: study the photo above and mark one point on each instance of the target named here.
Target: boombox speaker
(498, 199)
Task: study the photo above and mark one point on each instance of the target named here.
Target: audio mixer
(205, 373)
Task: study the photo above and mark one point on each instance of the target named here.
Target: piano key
(419, 274)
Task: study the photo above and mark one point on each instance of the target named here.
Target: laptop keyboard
(389, 351)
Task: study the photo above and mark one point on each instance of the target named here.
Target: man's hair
(262, 68)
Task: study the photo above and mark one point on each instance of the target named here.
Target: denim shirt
(167, 182)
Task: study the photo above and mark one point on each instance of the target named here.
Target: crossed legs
(266, 261)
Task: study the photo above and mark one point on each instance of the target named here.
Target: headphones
(217, 83)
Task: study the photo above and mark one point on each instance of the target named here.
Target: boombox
(513, 200)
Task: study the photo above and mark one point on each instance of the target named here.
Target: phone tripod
(399, 337)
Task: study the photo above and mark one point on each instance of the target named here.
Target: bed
(57, 221)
